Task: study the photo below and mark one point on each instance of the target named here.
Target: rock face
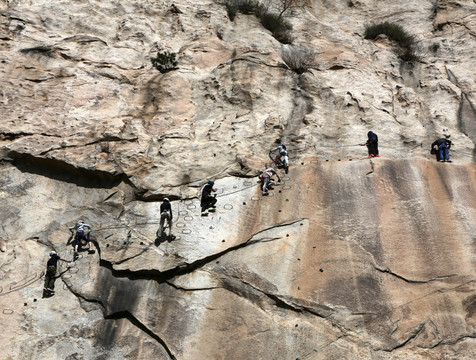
(346, 257)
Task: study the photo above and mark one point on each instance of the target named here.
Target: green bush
(165, 61)
(279, 27)
(274, 22)
(395, 32)
(242, 6)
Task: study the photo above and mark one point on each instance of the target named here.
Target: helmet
(52, 253)
(211, 182)
(283, 152)
(166, 199)
(81, 221)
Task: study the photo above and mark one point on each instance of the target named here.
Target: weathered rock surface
(345, 258)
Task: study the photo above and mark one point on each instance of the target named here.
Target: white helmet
(52, 253)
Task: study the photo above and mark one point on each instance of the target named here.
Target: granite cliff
(347, 258)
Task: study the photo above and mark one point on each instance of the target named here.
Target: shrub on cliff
(395, 32)
(279, 26)
(298, 59)
(273, 21)
(165, 61)
(243, 6)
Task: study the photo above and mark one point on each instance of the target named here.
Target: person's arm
(67, 261)
(279, 179)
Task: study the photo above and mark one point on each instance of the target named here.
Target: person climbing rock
(281, 160)
(208, 200)
(81, 235)
(266, 178)
(372, 144)
(50, 276)
(441, 147)
(165, 214)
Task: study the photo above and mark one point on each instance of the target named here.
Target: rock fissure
(452, 342)
(137, 323)
(410, 281)
(282, 302)
(414, 333)
(192, 289)
(186, 268)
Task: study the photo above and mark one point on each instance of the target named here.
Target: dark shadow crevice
(134, 321)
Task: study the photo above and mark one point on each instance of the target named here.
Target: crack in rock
(410, 281)
(414, 333)
(187, 268)
(137, 323)
(453, 342)
(192, 289)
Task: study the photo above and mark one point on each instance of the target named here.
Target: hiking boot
(371, 155)
(377, 155)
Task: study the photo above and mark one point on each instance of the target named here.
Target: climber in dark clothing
(208, 200)
(165, 214)
(441, 148)
(372, 144)
(50, 276)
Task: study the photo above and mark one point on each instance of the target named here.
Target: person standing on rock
(208, 200)
(266, 178)
(165, 214)
(50, 276)
(81, 235)
(442, 147)
(281, 160)
(372, 144)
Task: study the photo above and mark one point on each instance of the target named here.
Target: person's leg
(169, 221)
(50, 278)
(161, 226)
(265, 185)
(440, 151)
(447, 154)
(373, 147)
(286, 161)
(77, 242)
(376, 149)
(47, 281)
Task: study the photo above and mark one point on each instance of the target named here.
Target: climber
(50, 276)
(266, 178)
(165, 213)
(81, 235)
(441, 147)
(372, 144)
(208, 200)
(281, 160)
